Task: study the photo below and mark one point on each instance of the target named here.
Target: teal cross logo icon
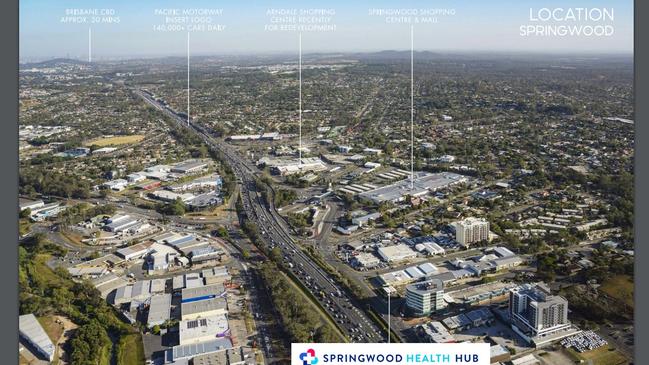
(308, 357)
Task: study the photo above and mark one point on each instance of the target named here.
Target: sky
(479, 26)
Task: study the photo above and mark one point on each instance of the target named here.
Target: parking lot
(498, 331)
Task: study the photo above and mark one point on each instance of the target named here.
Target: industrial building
(185, 243)
(156, 175)
(189, 351)
(425, 245)
(30, 204)
(149, 185)
(31, 331)
(231, 356)
(397, 174)
(170, 196)
(409, 275)
(214, 358)
(189, 167)
(501, 259)
(235, 356)
(425, 297)
(471, 230)
(293, 166)
(204, 254)
(479, 293)
(203, 329)
(269, 136)
(204, 200)
(499, 354)
(104, 150)
(74, 152)
(395, 253)
(191, 280)
(159, 310)
(363, 220)
(202, 293)
(435, 332)
(120, 222)
(87, 271)
(159, 261)
(203, 308)
(365, 260)
(216, 275)
(472, 319)
(210, 181)
(140, 291)
(135, 177)
(422, 184)
(136, 251)
(45, 211)
(116, 185)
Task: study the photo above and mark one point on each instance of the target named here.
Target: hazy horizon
(440, 53)
(477, 27)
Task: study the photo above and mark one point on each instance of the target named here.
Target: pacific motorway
(340, 305)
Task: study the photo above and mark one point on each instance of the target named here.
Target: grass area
(214, 212)
(73, 238)
(604, 355)
(24, 226)
(115, 141)
(259, 357)
(619, 287)
(54, 330)
(43, 272)
(131, 350)
(248, 321)
(315, 304)
(22, 360)
(104, 358)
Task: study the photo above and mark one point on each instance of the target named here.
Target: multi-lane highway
(339, 304)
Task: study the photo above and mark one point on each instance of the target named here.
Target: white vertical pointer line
(300, 76)
(188, 78)
(89, 44)
(412, 111)
(389, 322)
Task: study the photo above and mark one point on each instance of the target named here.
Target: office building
(425, 297)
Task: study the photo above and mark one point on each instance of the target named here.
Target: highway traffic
(339, 305)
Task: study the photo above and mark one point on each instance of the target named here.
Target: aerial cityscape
(214, 210)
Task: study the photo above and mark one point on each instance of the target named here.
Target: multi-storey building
(535, 312)
(425, 297)
(471, 230)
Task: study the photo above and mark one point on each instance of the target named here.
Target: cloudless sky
(476, 26)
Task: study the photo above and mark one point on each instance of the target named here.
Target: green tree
(25, 213)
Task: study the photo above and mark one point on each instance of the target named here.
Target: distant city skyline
(479, 27)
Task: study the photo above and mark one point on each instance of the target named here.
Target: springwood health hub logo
(395, 353)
